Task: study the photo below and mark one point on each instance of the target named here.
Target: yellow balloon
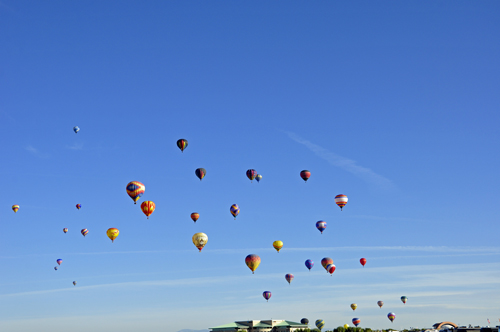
(277, 245)
(354, 306)
(112, 233)
(346, 326)
(200, 240)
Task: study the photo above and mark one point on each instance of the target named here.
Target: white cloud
(35, 152)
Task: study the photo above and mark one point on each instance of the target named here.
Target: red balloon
(362, 261)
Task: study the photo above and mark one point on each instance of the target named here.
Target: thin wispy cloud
(344, 163)
(76, 146)
(36, 152)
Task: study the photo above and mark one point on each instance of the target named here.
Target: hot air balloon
(15, 208)
(59, 261)
(65, 230)
(112, 233)
(289, 277)
(304, 321)
(135, 190)
(346, 326)
(356, 321)
(341, 200)
(55, 268)
(363, 261)
(320, 323)
(321, 226)
(391, 316)
(251, 174)
(354, 306)
(252, 261)
(76, 129)
(305, 174)
(309, 264)
(330, 268)
(404, 299)
(325, 262)
(235, 210)
(200, 240)
(148, 207)
(195, 216)
(267, 295)
(84, 232)
(277, 245)
(380, 303)
(78, 206)
(258, 177)
(74, 283)
(182, 144)
(200, 173)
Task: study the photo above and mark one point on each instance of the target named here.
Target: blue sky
(394, 104)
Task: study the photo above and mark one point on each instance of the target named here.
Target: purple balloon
(309, 264)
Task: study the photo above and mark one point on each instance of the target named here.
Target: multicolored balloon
(278, 245)
(15, 208)
(404, 299)
(148, 207)
(59, 261)
(112, 233)
(305, 175)
(135, 190)
(356, 321)
(289, 277)
(320, 323)
(380, 303)
(55, 268)
(325, 262)
(251, 174)
(195, 216)
(200, 173)
(200, 240)
(182, 144)
(267, 295)
(354, 306)
(84, 232)
(78, 206)
(252, 261)
(235, 210)
(330, 268)
(76, 129)
(363, 261)
(304, 321)
(341, 200)
(74, 283)
(258, 177)
(391, 316)
(65, 230)
(309, 264)
(321, 226)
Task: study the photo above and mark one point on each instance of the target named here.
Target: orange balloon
(148, 207)
(195, 216)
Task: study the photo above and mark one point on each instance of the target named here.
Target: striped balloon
(195, 216)
(341, 200)
(148, 207)
(182, 144)
(320, 323)
(321, 226)
(84, 232)
(251, 174)
(200, 173)
(330, 268)
(278, 245)
(391, 316)
(65, 230)
(289, 277)
(356, 321)
(325, 262)
(78, 206)
(235, 210)
(267, 295)
(135, 190)
(15, 208)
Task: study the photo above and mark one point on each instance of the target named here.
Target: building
(260, 326)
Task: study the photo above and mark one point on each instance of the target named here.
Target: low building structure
(272, 325)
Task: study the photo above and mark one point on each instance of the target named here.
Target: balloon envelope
(65, 230)
(320, 323)
(356, 321)
(135, 190)
(305, 175)
(182, 144)
(74, 283)
(15, 208)
(309, 264)
(200, 240)
(195, 216)
(148, 207)
(380, 303)
(304, 321)
(354, 306)
(84, 232)
(391, 316)
(362, 261)
(321, 226)
(341, 200)
(258, 177)
(346, 326)
(59, 261)
(325, 262)
(252, 261)
(278, 245)
(200, 173)
(112, 233)
(55, 268)
(235, 210)
(289, 277)
(251, 174)
(76, 129)
(78, 206)
(330, 268)
(267, 295)
(404, 299)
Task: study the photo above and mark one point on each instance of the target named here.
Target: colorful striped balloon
(200, 173)
(148, 207)
(330, 268)
(380, 303)
(195, 216)
(341, 200)
(391, 316)
(320, 323)
(278, 245)
(78, 206)
(65, 230)
(235, 210)
(135, 190)
(251, 174)
(325, 262)
(289, 277)
(15, 208)
(267, 295)
(182, 144)
(356, 321)
(84, 232)
(321, 226)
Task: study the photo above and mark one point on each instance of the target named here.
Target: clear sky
(393, 103)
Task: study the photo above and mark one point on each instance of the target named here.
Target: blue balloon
(309, 264)
(76, 129)
(321, 225)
